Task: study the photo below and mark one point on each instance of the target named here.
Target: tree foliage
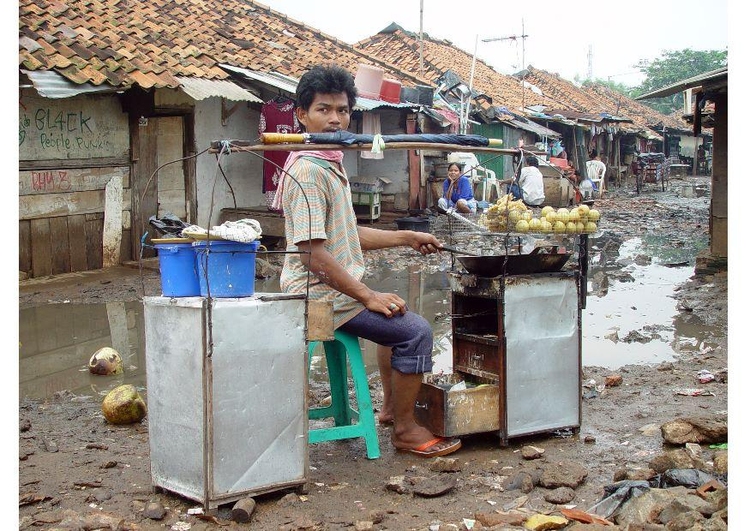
(674, 66)
(612, 85)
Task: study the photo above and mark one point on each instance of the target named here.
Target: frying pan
(453, 250)
(520, 264)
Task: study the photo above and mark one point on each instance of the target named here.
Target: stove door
(543, 349)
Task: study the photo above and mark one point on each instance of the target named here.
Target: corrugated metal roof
(533, 127)
(696, 81)
(200, 89)
(366, 104)
(50, 84)
(273, 79)
(536, 115)
(289, 84)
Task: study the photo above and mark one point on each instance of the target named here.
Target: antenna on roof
(523, 37)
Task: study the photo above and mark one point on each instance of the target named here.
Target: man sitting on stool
(530, 184)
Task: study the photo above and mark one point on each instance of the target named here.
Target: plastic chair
(597, 181)
(490, 183)
(350, 423)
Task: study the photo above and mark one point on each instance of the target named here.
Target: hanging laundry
(276, 116)
(371, 126)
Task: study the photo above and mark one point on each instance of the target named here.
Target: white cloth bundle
(242, 230)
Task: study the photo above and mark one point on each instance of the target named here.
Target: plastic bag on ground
(616, 495)
(691, 478)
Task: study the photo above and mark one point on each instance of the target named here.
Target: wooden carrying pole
(237, 146)
(348, 138)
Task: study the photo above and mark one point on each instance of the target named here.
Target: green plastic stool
(349, 422)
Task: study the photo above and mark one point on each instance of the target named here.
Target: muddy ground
(77, 471)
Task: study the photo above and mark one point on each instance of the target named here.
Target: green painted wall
(493, 162)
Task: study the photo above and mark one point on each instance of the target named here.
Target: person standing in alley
(325, 259)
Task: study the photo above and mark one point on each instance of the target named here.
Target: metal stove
(516, 354)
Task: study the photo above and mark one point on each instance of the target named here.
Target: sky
(563, 37)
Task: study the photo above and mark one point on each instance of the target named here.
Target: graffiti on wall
(61, 131)
(83, 127)
(48, 181)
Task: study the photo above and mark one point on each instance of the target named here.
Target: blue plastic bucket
(178, 268)
(226, 268)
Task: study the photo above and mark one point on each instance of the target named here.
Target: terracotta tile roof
(595, 99)
(126, 42)
(642, 114)
(401, 48)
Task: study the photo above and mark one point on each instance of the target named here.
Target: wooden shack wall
(73, 174)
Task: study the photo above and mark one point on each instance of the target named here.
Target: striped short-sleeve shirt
(317, 205)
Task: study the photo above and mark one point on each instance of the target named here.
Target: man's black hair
(594, 153)
(329, 79)
(531, 160)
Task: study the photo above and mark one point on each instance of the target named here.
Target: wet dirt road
(645, 319)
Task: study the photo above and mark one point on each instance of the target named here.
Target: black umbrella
(346, 138)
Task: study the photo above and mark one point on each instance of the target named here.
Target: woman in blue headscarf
(457, 192)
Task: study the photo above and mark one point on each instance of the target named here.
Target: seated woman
(557, 150)
(457, 192)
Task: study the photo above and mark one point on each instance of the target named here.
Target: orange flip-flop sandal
(421, 450)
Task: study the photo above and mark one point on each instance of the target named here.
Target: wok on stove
(520, 264)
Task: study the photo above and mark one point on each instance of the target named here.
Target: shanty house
(534, 105)
(497, 100)
(120, 102)
(708, 96)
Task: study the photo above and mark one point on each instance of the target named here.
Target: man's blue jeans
(516, 191)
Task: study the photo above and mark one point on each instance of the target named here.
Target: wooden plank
(172, 201)
(126, 246)
(272, 224)
(144, 184)
(93, 228)
(112, 229)
(56, 164)
(67, 180)
(63, 204)
(59, 245)
(41, 253)
(170, 149)
(77, 241)
(319, 320)
(24, 246)
(127, 201)
(191, 188)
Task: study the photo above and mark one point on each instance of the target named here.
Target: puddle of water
(633, 322)
(56, 341)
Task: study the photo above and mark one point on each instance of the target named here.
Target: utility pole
(523, 37)
(591, 63)
(421, 42)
